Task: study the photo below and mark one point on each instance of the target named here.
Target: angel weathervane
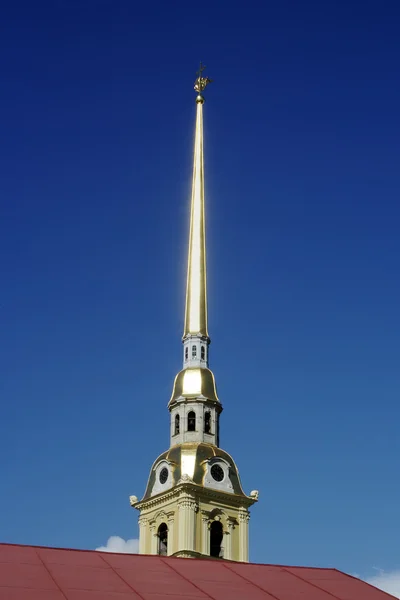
(201, 82)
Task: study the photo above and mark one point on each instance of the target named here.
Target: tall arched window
(162, 540)
(177, 423)
(207, 422)
(203, 353)
(194, 351)
(191, 421)
(186, 353)
(216, 535)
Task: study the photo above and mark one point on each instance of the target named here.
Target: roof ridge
(34, 546)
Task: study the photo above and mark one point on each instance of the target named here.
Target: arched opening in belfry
(162, 534)
(216, 535)
(177, 424)
(191, 421)
(207, 422)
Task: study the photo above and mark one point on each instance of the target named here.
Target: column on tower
(244, 517)
(205, 532)
(187, 508)
(142, 534)
(227, 541)
(171, 536)
(153, 539)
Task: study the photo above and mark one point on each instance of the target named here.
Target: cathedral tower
(194, 504)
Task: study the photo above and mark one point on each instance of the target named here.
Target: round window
(217, 473)
(163, 475)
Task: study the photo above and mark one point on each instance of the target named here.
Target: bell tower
(194, 504)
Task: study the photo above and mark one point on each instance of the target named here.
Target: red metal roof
(35, 573)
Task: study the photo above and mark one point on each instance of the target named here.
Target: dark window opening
(216, 535)
(203, 353)
(163, 475)
(207, 422)
(162, 539)
(192, 421)
(194, 351)
(186, 353)
(177, 423)
(217, 473)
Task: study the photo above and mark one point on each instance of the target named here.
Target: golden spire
(196, 288)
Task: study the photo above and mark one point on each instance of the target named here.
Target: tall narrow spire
(196, 288)
(194, 503)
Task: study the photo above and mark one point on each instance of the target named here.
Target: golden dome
(197, 455)
(194, 382)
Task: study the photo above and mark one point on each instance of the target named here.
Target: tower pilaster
(187, 509)
(244, 518)
(142, 534)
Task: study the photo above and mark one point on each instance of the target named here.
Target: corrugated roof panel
(52, 556)
(279, 582)
(95, 595)
(25, 575)
(168, 584)
(71, 577)
(350, 589)
(224, 590)
(19, 554)
(138, 562)
(25, 594)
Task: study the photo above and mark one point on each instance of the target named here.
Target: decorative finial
(201, 83)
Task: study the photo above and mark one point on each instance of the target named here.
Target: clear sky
(302, 175)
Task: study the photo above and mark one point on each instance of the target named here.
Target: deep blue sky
(303, 181)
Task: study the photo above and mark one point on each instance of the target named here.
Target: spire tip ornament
(201, 83)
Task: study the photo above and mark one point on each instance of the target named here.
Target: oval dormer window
(163, 475)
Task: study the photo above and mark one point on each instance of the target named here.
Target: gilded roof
(194, 382)
(202, 453)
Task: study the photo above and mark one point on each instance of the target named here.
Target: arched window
(162, 540)
(177, 423)
(216, 535)
(194, 351)
(192, 421)
(207, 422)
(203, 353)
(186, 353)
